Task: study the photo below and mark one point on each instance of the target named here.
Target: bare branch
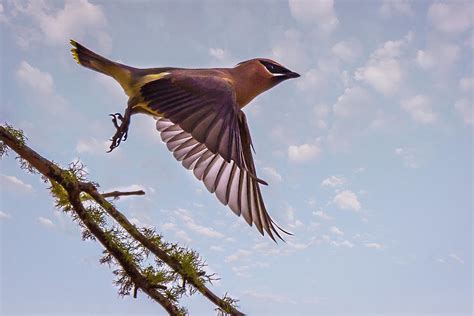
(117, 194)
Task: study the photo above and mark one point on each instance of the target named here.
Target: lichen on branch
(141, 259)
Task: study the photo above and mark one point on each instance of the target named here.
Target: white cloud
(383, 70)
(290, 50)
(440, 260)
(333, 181)
(216, 248)
(465, 109)
(292, 221)
(337, 243)
(374, 245)
(46, 222)
(305, 152)
(467, 84)
(36, 79)
(451, 17)
(321, 215)
(169, 226)
(439, 55)
(385, 75)
(312, 80)
(272, 174)
(238, 255)
(353, 112)
(78, 19)
(320, 112)
(347, 51)
(92, 146)
(469, 42)
(336, 231)
(273, 298)
(183, 235)
(419, 108)
(4, 216)
(219, 53)
(408, 156)
(14, 183)
(456, 258)
(350, 102)
(42, 84)
(347, 200)
(424, 59)
(319, 12)
(346, 243)
(195, 227)
(389, 7)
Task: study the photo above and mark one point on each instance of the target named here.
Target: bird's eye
(274, 69)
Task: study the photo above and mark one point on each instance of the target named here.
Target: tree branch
(73, 187)
(116, 194)
(90, 189)
(53, 172)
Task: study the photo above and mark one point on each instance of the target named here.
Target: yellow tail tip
(75, 55)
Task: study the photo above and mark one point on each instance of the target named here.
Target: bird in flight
(200, 118)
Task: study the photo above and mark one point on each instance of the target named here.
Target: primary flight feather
(200, 118)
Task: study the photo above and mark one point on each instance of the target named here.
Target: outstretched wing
(231, 183)
(205, 107)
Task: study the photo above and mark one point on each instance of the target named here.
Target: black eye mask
(274, 69)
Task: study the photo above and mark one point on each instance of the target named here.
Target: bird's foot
(122, 129)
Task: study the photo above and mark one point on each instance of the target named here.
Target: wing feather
(232, 185)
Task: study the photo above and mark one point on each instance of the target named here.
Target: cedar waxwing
(199, 117)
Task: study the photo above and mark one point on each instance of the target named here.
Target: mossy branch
(126, 246)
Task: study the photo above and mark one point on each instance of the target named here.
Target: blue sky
(368, 154)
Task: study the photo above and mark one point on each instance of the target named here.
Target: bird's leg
(122, 128)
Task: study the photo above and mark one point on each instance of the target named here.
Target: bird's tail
(87, 58)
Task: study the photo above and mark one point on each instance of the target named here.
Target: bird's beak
(292, 75)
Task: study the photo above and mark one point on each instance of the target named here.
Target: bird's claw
(122, 129)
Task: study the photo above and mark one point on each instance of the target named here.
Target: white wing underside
(233, 187)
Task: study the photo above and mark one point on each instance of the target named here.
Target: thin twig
(116, 194)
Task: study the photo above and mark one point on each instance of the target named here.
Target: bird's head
(260, 74)
(268, 69)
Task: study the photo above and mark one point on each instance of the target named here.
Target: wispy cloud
(347, 200)
(50, 25)
(46, 222)
(392, 7)
(333, 181)
(4, 216)
(420, 109)
(383, 71)
(14, 183)
(456, 258)
(450, 17)
(195, 227)
(320, 13)
(374, 245)
(408, 156)
(272, 174)
(239, 255)
(304, 152)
